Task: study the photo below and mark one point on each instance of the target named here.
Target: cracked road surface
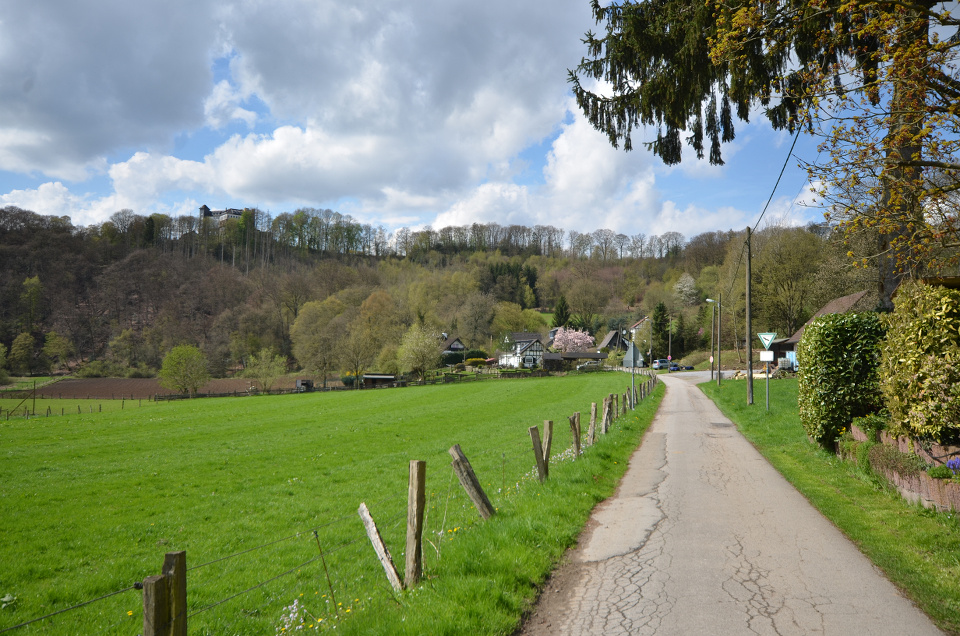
(704, 537)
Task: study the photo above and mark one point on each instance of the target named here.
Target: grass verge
(918, 549)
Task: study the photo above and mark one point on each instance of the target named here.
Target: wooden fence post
(416, 498)
(156, 607)
(547, 444)
(165, 598)
(616, 405)
(575, 433)
(605, 419)
(625, 403)
(175, 569)
(538, 452)
(592, 431)
(468, 479)
(380, 547)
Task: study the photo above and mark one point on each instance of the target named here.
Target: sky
(398, 113)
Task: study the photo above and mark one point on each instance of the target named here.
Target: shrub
(100, 369)
(886, 457)
(476, 362)
(838, 377)
(940, 472)
(920, 363)
(451, 359)
(872, 424)
(141, 371)
(475, 353)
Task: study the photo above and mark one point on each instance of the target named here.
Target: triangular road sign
(766, 339)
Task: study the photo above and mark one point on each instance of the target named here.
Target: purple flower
(954, 465)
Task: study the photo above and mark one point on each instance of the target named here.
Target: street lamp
(719, 315)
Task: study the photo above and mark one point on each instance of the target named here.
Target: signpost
(767, 356)
(633, 359)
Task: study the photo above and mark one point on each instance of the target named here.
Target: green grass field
(90, 504)
(918, 549)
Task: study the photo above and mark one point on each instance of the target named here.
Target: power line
(736, 271)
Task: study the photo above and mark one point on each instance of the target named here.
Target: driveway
(704, 537)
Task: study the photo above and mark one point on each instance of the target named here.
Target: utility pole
(749, 330)
(713, 328)
(719, 345)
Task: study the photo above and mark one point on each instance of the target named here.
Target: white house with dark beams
(523, 350)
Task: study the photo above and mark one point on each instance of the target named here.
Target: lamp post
(713, 327)
(719, 313)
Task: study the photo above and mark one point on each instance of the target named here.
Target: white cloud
(395, 112)
(223, 107)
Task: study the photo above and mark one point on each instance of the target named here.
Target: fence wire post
(416, 498)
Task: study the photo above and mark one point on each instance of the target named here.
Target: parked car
(660, 364)
(674, 366)
(590, 364)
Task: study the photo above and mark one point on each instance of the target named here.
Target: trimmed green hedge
(838, 378)
(920, 363)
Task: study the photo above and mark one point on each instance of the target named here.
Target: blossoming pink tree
(572, 340)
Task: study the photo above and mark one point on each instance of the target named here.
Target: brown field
(141, 388)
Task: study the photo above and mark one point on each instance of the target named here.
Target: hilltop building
(220, 215)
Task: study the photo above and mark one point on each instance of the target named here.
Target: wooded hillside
(125, 292)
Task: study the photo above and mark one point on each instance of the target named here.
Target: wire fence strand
(66, 609)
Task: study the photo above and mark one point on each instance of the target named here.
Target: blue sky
(397, 113)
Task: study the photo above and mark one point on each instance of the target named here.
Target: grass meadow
(918, 549)
(90, 503)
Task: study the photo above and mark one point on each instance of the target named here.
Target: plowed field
(140, 388)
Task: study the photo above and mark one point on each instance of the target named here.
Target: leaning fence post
(416, 498)
(538, 453)
(605, 419)
(547, 443)
(575, 433)
(592, 431)
(468, 479)
(616, 405)
(380, 547)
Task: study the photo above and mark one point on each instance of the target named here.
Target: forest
(330, 295)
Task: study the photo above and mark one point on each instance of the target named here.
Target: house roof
(449, 342)
(523, 336)
(608, 340)
(836, 306)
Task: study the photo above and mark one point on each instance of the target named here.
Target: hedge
(838, 373)
(920, 363)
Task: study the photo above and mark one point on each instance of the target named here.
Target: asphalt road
(705, 537)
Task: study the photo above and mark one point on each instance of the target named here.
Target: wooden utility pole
(749, 330)
(719, 331)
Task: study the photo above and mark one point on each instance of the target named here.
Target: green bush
(100, 369)
(838, 378)
(475, 353)
(872, 424)
(920, 363)
(476, 362)
(451, 359)
(940, 472)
